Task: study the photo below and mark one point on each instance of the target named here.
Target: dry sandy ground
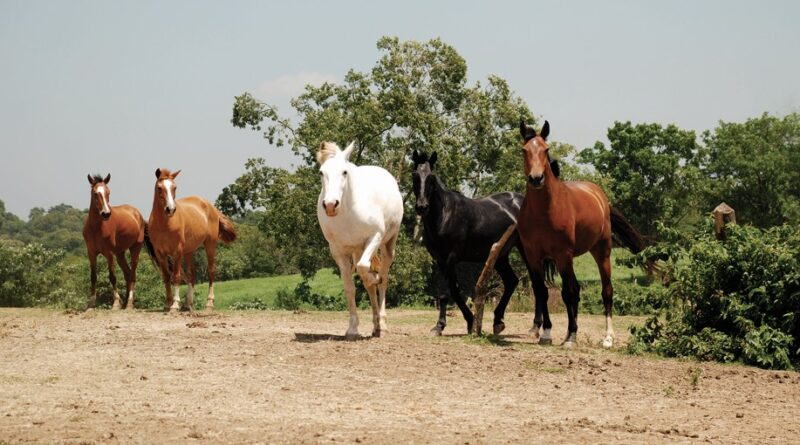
(277, 377)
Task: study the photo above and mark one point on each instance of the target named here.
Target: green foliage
(59, 228)
(652, 170)
(411, 275)
(755, 168)
(302, 297)
(28, 273)
(732, 300)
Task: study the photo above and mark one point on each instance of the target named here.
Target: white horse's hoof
(351, 336)
(608, 342)
(534, 333)
(129, 307)
(116, 306)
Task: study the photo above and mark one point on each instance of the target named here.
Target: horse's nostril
(336, 204)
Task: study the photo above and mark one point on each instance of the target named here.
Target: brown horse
(562, 220)
(176, 229)
(111, 231)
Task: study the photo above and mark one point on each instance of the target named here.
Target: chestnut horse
(176, 229)
(562, 220)
(111, 231)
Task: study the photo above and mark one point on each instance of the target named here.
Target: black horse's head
(424, 180)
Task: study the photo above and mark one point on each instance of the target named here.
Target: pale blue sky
(125, 87)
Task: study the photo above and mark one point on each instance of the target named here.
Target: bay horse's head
(424, 180)
(165, 191)
(100, 194)
(334, 170)
(537, 154)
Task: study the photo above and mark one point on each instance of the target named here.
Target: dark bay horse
(562, 220)
(460, 229)
(111, 231)
(176, 229)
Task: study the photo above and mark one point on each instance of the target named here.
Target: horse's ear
(433, 159)
(174, 175)
(415, 158)
(158, 173)
(526, 131)
(108, 178)
(348, 151)
(91, 179)
(545, 130)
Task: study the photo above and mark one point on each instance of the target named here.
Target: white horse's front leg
(346, 271)
(371, 279)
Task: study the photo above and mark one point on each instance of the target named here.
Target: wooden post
(723, 214)
(480, 287)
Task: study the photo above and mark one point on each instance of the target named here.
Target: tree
(414, 98)
(652, 170)
(755, 167)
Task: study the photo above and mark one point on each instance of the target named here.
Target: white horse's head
(334, 170)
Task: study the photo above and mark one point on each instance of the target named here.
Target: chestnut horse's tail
(148, 244)
(227, 231)
(625, 234)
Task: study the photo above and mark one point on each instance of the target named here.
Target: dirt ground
(278, 377)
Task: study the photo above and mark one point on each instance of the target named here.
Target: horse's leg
(126, 272)
(440, 325)
(112, 278)
(510, 281)
(175, 280)
(371, 279)
(570, 293)
(455, 294)
(188, 259)
(210, 248)
(163, 262)
(387, 258)
(346, 271)
(602, 256)
(542, 317)
(135, 250)
(93, 277)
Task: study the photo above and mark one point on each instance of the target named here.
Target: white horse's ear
(348, 151)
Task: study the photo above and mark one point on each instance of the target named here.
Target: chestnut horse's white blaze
(360, 209)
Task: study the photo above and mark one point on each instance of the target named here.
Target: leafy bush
(738, 299)
(28, 273)
(303, 298)
(250, 305)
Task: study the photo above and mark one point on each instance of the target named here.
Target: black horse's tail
(625, 234)
(148, 244)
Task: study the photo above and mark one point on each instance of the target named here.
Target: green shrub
(28, 273)
(737, 299)
(303, 298)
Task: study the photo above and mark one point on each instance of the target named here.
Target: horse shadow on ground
(303, 337)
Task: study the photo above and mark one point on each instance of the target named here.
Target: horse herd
(360, 210)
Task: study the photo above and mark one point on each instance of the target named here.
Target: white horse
(359, 210)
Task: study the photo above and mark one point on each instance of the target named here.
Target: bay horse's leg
(163, 262)
(93, 277)
(176, 281)
(126, 272)
(455, 294)
(542, 317)
(188, 260)
(387, 258)
(443, 299)
(346, 271)
(510, 282)
(211, 249)
(112, 277)
(602, 256)
(135, 250)
(570, 293)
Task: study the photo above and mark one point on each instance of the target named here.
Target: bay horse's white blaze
(360, 209)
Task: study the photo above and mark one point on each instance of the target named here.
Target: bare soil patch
(278, 377)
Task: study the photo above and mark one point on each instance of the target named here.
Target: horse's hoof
(568, 344)
(436, 331)
(545, 341)
(498, 328)
(534, 332)
(376, 333)
(350, 336)
(608, 342)
(129, 307)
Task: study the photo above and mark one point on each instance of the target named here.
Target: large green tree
(755, 167)
(652, 172)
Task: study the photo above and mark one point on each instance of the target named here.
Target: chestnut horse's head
(424, 180)
(100, 194)
(333, 171)
(165, 191)
(536, 152)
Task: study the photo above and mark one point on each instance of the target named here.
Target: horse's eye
(344, 173)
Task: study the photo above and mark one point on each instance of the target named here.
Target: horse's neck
(353, 194)
(543, 201)
(441, 203)
(94, 221)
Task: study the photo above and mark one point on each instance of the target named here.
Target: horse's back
(383, 191)
(592, 213)
(200, 220)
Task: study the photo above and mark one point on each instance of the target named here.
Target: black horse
(459, 229)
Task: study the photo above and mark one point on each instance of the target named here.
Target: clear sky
(126, 87)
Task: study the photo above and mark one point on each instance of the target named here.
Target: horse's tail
(227, 231)
(625, 233)
(148, 244)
